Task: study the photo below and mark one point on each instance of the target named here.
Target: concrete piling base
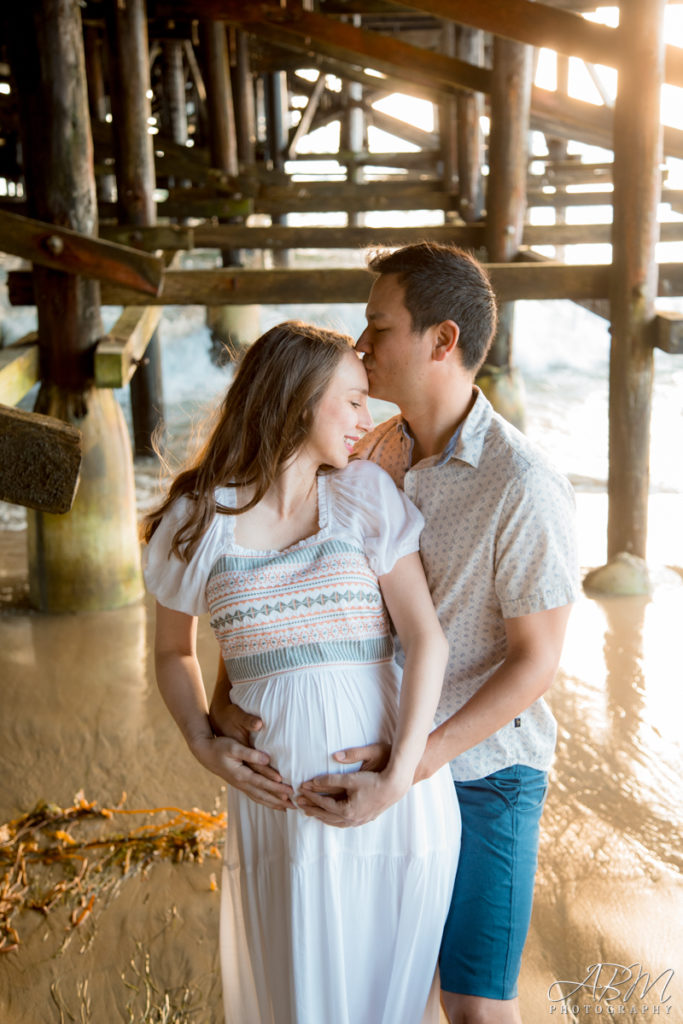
(89, 558)
(504, 388)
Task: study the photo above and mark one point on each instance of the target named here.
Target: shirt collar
(467, 440)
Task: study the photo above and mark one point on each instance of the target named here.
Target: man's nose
(362, 344)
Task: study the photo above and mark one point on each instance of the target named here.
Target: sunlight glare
(419, 113)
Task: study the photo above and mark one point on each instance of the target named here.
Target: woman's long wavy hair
(262, 422)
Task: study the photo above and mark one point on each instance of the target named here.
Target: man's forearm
(535, 645)
(505, 695)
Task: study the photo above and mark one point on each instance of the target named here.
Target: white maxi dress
(319, 925)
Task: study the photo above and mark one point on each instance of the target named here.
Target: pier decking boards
(169, 126)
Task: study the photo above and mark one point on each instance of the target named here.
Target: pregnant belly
(309, 715)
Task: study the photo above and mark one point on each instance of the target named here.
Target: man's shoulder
(514, 455)
(371, 446)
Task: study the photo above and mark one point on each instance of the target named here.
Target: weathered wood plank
(118, 354)
(69, 251)
(276, 236)
(156, 236)
(19, 369)
(237, 236)
(40, 459)
(231, 286)
(668, 332)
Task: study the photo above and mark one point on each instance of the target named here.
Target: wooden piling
(230, 328)
(89, 557)
(469, 109)
(135, 178)
(637, 186)
(222, 137)
(243, 96)
(352, 132)
(97, 100)
(506, 208)
(173, 97)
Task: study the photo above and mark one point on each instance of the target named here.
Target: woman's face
(341, 417)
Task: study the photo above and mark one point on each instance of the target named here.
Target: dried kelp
(54, 856)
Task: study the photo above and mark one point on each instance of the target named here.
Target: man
(499, 554)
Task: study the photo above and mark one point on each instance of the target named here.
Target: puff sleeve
(369, 505)
(176, 584)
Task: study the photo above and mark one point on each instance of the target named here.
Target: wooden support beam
(233, 286)
(243, 89)
(303, 30)
(668, 332)
(19, 368)
(283, 237)
(507, 184)
(75, 253)
(471, 236)
(216, 66)
(397, 81)
(395, 126)
(118, 354)
(304, 125)
(151, 238)
(543, 25)
(537, 24)
(324, 197)
(634, 273)
(239, 287)
(135, 180)
(40, 460)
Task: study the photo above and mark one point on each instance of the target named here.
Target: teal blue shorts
(487, 924)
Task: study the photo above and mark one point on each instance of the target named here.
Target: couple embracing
(390, 606)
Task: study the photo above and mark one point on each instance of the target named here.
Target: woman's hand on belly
(246, 769)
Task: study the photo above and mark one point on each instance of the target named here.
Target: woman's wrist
(201, 737)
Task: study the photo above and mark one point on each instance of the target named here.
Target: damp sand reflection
(80, 710)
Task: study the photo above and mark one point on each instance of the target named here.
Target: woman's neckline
(323, 521)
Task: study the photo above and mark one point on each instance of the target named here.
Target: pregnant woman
(303, 561)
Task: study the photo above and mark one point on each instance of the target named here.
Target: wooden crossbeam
(40, 459)
(541, 25)
(276, 236)
(19, 369)
(62, 249)
(158, 236)
(523, 20)
(537, 24)
(306, 30)
(118, 354)
(232, 286)
(668, 332)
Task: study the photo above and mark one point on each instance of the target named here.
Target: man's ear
(445, 339)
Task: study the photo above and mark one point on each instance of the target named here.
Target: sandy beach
(80, 711)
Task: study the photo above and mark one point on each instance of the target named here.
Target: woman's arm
(364, 795)
(180, 682)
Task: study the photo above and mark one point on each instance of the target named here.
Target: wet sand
(80, 710)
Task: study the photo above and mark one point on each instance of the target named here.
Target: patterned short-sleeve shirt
(498, 542)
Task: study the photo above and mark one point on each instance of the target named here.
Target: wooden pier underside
(198, 113)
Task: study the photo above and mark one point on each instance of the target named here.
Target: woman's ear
(445, 339)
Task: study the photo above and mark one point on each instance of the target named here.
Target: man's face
(394, 355)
